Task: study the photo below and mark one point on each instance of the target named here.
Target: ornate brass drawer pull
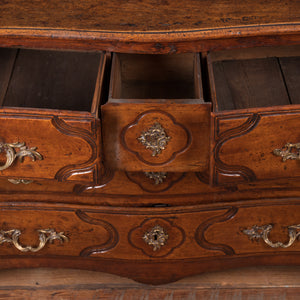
(157, 177)
(289, 151)
(262, 232)
(45, 235)
(155, 139)
(18, 181)
(11, 154)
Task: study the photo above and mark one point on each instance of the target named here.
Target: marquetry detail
(154, 139)
(157, 177)
(289, 151)
(262, 232)
(12, 154)
(156, 237)
(45, 235)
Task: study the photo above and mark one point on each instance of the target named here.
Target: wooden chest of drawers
(153, 149)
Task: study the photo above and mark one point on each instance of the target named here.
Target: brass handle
(289, 151)
(262, 232)
(155, 139)
(157, 177)
(11, 154)
(45, 235)
(18, 181)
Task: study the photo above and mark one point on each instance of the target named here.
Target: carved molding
(203, 176)
(221, 168)
(202, 228)
(103, 179)
(89, 137)
(172, 155)
(107, 245)
(172, 237)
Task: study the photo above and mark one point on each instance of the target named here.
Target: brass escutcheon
(156, 237)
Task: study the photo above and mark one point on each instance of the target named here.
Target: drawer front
(256, 146)
(142, 234)
(48, 232)
(261, 229)
(136, 243)
(156, 137)
(46, 146)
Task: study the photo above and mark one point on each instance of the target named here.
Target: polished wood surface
(150, 26)
(244, 148)
(199, 238)
(187, 148)
(164, 165)
(146, 15)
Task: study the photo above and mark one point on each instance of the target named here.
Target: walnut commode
(150, 140)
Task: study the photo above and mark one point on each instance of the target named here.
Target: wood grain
(291, 71)
(108, 212)
(156, 77)
(53, 79)
(249, 83)
(7, 60)
(244, 152)
(112, 24)
(264, 283)
(146, 16)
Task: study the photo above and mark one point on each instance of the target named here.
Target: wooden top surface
(142, 21)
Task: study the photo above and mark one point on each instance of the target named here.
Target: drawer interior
(258, 77)
(49, 79)
(141, 76)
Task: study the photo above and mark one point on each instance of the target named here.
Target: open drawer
(48, 116)
(256, 95)
(155, 118)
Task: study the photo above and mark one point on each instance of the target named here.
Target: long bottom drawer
(199, 238)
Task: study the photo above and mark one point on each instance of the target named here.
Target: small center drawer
(155, 118)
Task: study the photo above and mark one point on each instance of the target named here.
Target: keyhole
(155, 237)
